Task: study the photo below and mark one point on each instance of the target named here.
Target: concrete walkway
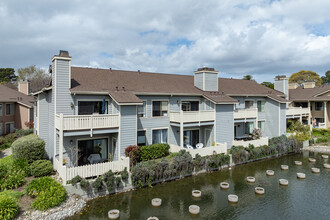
(320, 149)
(5, 153)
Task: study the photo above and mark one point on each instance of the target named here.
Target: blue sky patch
(105, 54)
(322, 29)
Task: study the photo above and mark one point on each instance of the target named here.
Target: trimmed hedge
(41, 168)
(29, 147)
(154, 151)
(47, 191)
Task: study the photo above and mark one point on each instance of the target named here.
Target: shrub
(322, 140)
(29, 147)
(183, 163)
(41, 168)
(3, 171)
(154, 151)
(217, 160)
(12, 180)
(75, 180)
(8, 207)
(118, 181)
(98, 184)
(47, 191)
(239, 154)
(124, 174)
(109, 179)
(21, 164)
(134, 153)
(84, 184)
(23, 132)
(199, 162)
(10, 138)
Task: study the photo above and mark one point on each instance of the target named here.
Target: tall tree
(326, 78)
(37, 77)
(7, 75)
(305, 76)
(248, 77)
(268, 84)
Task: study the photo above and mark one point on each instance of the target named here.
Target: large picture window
(159, 136)
(159, 108)
(92, 151)
(92, 107)
(10, 127)
(9, 109)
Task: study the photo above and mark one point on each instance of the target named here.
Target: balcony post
(181, 128)
(309, 114)
(61, 140)
(91, 126)
(301, 112)
(325, 115)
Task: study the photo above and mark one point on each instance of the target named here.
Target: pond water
(301, 199)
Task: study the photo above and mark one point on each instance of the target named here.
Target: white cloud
(262, 38)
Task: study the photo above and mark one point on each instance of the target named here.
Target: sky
(262, 38)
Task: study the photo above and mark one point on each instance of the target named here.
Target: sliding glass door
(191, 137)
(92, 151)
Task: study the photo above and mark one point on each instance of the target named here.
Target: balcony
(292, 111)
(246, 113)
(81, 122)
(192, 116)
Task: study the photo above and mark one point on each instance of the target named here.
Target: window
(261, 106)
(318, 106)
(159, 108)
(9, 109)
(0, 129)
(301, 104)
(191, 137)
(0, 109)
(249, 127)
(92, 151)
(141, 110)
(10, 127)
(159, 136)
(319, 120)
(190, 106)
(141, 138)
(261, 125)
(208, 105)
(92, 107)
(248, 104)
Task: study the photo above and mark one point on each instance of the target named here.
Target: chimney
(281, 84)
(206, 79)
(23, 87)
(308, 85)
(293, 85)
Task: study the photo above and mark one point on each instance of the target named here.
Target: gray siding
(225, 124)
(128, 132)
(63, 95)
(283, 119)
(198, 80)
(35, 120)
(211, 81)
(44, 119)
(271, 118)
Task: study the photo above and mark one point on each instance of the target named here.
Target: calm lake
(301, 199)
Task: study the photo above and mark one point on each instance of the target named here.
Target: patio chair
(199, 145)
(189, 146)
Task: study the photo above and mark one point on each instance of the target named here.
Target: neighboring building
(16, 108)
(89, 115)
(308, 103)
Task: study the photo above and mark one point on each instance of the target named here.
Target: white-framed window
(10, 127)
(261, 125)
(208, 105)
(159, 108)
(319, 106)
(190, 105)
(249, 127)
(1, 129)
(159, 136)
(141, 138)
(261, 106)
(141, 110)
(0, 109)
(10, 109)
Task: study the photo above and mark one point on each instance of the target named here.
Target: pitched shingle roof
(124, 85)
(10, 95)
(310, 94)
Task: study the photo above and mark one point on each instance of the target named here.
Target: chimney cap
(206, 68)
(279, 77)
(64, 53)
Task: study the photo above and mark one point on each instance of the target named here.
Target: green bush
(12, 180)
(29, 147)
(6, 142)
(8, 207)
(217, 160)
(75, 180)
(134, 154)
(47, 191)
(323, 139)
(239, 154)
(124, 174)
(316, 132)
(21, 164)
(154, 151)
(109, 180)
(41, 168)
(98, 184)
(23, 132)
(118, 181)
(199, 162)
(84, 184)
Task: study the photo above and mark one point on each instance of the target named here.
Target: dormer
(206, 79)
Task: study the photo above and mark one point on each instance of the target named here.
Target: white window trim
(146, 112)
(6, 109)
(91, 100)
(91, 138)
(161, 100)
(161, 128)
(191, 100)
